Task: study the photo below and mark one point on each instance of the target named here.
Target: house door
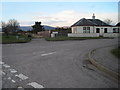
(97, 30)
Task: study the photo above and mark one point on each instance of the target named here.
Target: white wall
(83, 35)
(79, 29)
(93, 35)
(79, 32)
(52, 35)
(74, 29)
(111, 35)
(109, 29)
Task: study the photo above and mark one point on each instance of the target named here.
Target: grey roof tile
(90, 22)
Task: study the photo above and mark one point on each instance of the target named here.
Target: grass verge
(116, 52)
(72, 38)
(14, 39)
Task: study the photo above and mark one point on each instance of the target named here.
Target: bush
(15, 39)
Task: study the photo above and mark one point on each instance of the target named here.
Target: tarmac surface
(50, 64)
(106, 58)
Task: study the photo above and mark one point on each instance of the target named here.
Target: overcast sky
(58, 13)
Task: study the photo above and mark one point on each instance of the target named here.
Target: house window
(116, 30)
(86, 29)
(97, 30)
(105, 30)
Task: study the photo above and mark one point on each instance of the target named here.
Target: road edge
(101, 67)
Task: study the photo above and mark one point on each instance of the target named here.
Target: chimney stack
(93, 17)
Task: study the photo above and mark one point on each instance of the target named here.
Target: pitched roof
(99, 22)
(90, 22)
(118, 24)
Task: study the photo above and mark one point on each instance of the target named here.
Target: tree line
(13, 26)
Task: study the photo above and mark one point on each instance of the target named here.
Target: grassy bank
(116, 52)
(14, 39)
(71, 38)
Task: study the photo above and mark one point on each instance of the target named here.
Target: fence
(44, 33)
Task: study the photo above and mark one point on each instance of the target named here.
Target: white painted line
(21, 76)
(20, 87)
(13, 81)
(35, 53)
(6, 66)
(48, 53)
(9, 78)
(35, 85)
(2, 62)
(12, 70)
(3, 73)
(16, 75)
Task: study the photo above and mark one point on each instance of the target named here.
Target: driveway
(56, 64)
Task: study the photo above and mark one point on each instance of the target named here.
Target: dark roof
(118, 24)
(90, 22)
(99, 22)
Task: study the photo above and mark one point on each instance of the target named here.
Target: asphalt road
(55, 64)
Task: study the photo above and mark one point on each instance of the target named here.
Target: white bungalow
(93, 28)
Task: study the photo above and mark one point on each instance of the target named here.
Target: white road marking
(48, 53)
(13, 81)
(6, 66)
(2, 62)
(20, 87)
(35, 53)
(16, 75)
(9, 78)
(35, 85)
(3, 73)
(21, 76)
(12, 70)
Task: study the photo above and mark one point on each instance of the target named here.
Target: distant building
(93, 28)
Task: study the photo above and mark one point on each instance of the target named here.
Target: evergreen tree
(37, 27)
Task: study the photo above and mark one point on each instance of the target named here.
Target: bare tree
(3, 25)
(13, 25)
(4, 28)
(108, 21)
